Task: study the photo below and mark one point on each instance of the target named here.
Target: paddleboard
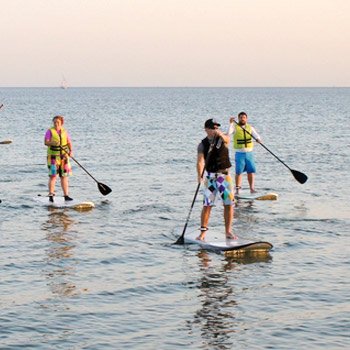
(270, 196)
(217, 242)
(60, 202)
(5, 142)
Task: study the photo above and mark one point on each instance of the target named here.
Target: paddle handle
(181, 239)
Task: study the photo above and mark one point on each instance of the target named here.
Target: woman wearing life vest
(243, 146)
(59, 147)
(213, 156)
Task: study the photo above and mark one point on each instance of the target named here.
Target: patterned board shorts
(218, 183)
(59, 166)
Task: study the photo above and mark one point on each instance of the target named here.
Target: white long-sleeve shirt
(255, 135)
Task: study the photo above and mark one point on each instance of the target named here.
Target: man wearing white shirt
(243, 146)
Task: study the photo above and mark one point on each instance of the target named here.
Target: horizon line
(176, 87)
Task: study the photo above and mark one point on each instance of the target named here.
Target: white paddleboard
(270, 196)
(60, 202)
(217, 242)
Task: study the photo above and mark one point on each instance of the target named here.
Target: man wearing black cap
(213, 164)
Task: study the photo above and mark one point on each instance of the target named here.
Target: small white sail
(64, 84)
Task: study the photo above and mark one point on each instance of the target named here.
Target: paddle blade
(300, 177)
(180, 240)
(104, 189)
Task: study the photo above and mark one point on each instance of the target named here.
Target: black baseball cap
(211, 124)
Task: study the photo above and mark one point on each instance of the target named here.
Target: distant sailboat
(64, 84)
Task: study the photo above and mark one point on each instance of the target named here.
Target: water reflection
(60, 270)
(217, 317)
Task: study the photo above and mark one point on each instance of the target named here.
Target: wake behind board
(270, 196)
(217, 242)
(60, 202)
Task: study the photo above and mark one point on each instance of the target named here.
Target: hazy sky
(175, 42)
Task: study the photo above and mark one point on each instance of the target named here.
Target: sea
(111, 277)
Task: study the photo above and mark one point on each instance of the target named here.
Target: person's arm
(256, 136)
(48, 141)
(223, 136)
(70, 145)
(231, 129)
(200, 163)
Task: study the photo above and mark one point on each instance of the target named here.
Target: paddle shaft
(83, 168)
(104, 189)
(181, 240)
(78, 164)
(264, 146)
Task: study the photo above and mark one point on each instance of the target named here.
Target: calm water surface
(110, 278)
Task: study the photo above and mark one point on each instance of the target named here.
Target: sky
(137, 43)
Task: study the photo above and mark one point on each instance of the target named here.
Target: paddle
(299, 176)
(104, 189)
(181, 239)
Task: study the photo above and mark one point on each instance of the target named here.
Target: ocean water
(110, 278)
